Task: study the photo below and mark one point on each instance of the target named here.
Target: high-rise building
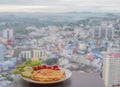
(2, 51)
(110, 33)
(8, 34)
(103, 32)
(96, 32)
(111, 70)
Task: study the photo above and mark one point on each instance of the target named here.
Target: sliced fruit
(36, 68)
(28, 69)
(56, 69)
(26, 74)
(44, 66)
(55, 66)
(49, 67)
(39, 67)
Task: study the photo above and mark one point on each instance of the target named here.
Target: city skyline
(58, 6)
(75, 41)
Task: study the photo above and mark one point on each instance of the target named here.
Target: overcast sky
(59, 5)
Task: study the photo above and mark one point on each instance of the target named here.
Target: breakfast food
(48, 75)
(42, 73)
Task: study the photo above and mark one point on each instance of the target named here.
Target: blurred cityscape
(77, 41)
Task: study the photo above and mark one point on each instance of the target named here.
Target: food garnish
(28, 66)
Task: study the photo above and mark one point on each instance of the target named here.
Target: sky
(58, 6)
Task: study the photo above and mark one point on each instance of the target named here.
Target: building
(2, 52)
(96, 32)
(110, 33)
(8, 34)
(103, 32)
(111, 70)
(25, 54)
(37, 53)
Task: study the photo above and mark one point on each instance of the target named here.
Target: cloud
(60, 5)
(31, 8)
(28, 2)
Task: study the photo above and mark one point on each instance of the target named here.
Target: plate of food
(48, 76)
(43, 74)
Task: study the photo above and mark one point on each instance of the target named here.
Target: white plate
(68, 74)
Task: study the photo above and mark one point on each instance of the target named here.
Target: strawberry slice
(55, 67)
(36, 68)
(44, 66)
(49, 67)
(39, 67)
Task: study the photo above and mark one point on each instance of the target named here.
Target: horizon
(72, 12)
